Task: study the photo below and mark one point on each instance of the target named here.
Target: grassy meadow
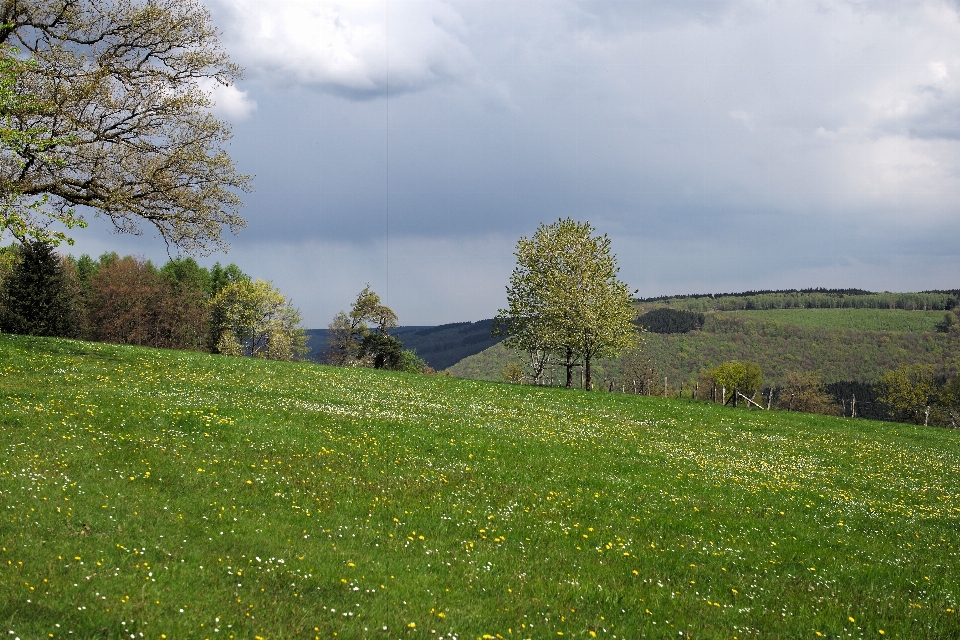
(164, 494)
(895, 320)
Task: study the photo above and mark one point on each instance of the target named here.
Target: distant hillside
(440, 346)
(837, 353)
(447, 344)
(317, 339)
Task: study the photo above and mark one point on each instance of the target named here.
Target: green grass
(858, 319)
(191, 496)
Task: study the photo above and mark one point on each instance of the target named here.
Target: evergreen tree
(37, 295)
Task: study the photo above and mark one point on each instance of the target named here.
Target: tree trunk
(587, 383)
(569, 365)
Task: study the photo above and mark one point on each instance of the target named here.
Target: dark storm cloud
(722, 145)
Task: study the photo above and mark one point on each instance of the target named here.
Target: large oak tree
(110, 111)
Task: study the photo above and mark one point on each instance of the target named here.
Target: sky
(722, 145)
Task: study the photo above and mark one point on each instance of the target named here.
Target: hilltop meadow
(166, 494)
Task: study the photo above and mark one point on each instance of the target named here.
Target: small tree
(348, 336)
(564, 299)
(745, 377)
(805, 392)
(219, 278)
(381, 351)
(910, 391)
(257, 320)
(37, 296)
(513, 373)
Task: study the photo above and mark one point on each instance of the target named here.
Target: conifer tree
(37, 296)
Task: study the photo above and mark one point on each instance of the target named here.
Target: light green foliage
(25, 217)
(257, 320)
(512, 373)
(897, 320)
(410, 362)
(169, 485)
(564, 299)
(110, 113)
(909, 391)
(745, 377)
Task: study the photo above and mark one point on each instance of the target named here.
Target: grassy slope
(858, 319)
(197, 496)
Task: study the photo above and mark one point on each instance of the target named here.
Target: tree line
(128, 300)
(916, 394)
(813, 299)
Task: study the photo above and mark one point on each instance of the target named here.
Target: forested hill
(447, 344)
(440, 347)
(836, 344)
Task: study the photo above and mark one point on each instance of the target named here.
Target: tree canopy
(104, 106)
(564, 299)
(255, 319)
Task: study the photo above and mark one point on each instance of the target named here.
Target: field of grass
(896, 320)
(163, 494)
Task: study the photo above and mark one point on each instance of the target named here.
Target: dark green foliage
(759, 292)
(664, 320)
(385, 350)
(188, 276)
(949, 322)
(222, 276)
(37, 296)
(867, 397)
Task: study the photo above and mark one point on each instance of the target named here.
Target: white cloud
(228, 101)
(358, 49)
